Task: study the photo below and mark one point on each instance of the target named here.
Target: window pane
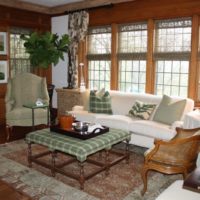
(19, 59)
(99, 75)
(99, 40)
(172, 53)
(134, 80)
(173, 35)
(132, 49)
(133, 38)
(99, 50)
(172, 83)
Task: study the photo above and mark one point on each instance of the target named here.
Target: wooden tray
(77, 134)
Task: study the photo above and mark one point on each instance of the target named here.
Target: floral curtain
(77, 27)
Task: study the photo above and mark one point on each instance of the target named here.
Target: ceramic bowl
(80, 126)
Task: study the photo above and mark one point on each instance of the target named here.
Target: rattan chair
(177, 156)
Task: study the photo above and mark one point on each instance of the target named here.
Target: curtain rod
(87, 9)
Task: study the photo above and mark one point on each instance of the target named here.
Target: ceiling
(51, 3)
(55, 7)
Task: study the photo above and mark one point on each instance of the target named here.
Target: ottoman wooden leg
(82, 177)
(107, 163)
(127, 151)
(53, 163)
(29, 155)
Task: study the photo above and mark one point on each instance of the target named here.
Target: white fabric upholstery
(114, 121)
(152, 129)
(122, 102)
(143, 131)
(176, 192)
(83, 115)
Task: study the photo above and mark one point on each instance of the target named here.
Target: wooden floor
(8, 193)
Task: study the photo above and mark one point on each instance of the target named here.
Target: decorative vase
(82, 82)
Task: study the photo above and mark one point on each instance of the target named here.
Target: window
(132, 57)
(19, 59)
(99, 61)
(172, 54)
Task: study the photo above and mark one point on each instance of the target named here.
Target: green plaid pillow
(100, 104)
(141, 110)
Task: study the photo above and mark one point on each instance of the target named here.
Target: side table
(192, 120)
(33, 107)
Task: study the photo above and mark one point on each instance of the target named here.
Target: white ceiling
(51, 3)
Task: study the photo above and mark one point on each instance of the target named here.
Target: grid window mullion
(172, 49)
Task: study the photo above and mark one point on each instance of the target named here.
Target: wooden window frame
(194, 66)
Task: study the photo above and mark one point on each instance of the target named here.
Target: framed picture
(3, 43)
(3, 72)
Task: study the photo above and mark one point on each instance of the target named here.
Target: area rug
(123, 182)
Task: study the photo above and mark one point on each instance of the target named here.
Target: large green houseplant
(45, 48)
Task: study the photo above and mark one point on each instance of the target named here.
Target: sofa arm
(176, 124)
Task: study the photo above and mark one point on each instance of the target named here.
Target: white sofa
(143, 131)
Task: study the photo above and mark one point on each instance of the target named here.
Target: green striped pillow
(141, 110)
(100, 104)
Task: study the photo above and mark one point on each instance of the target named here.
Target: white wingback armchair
(23, 89)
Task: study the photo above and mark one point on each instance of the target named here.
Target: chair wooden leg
(185, 173)
(144, 178)
(9, 130)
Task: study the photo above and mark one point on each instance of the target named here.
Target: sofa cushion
(168, 111)
(152, 129)
(22, 116)
(100, 103)
(85, 116)
(114, 121)
(141, 110)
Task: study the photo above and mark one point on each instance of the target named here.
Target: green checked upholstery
(74, 146)
(100, 104)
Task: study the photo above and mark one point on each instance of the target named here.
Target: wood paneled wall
(144, 9)
(10, 17)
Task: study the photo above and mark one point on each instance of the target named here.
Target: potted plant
(45, 48)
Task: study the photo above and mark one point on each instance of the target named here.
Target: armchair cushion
(22, 116)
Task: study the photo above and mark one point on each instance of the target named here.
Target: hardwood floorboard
(9, 193)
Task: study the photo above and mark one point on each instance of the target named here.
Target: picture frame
(3, 43)
(3, 72)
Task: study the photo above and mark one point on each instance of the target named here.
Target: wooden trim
(193, 75)
(141, 10)
(86, 4)
(61, 9)
(114, 61)
(150, 66)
